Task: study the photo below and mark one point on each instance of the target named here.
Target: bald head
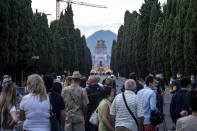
(130, 85)
(92, 80)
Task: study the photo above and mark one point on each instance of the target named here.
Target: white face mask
(110, 99)
(170, 82)
(178, 76)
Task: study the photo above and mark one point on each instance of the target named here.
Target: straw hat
(76, 75)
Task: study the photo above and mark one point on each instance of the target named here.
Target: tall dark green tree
(25, 34)
(155, 14)
(13, 37)
(190, 38)
(4, 33)
(158, 41)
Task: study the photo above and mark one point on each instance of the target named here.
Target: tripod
(159, 99)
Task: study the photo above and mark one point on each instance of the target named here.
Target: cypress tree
(4, 33)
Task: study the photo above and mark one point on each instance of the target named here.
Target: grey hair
(130, 84)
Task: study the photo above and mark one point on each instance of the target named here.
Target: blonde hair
(109, 82)
(7, 100)
(68, 81)
(37, 86)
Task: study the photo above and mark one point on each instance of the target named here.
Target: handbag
(130, 111)
(54, 124)
(156, 117)
(94, 118)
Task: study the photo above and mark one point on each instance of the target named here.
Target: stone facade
(100, 58)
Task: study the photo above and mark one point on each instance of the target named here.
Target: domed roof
(101, 47)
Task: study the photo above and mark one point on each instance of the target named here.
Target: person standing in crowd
(110, 81)
(163, 82)
(56, 100)
(62, 80)
(148, 98)
(193, 81)
(176, 86)
(179, 100)
(160, 89)
(133, 76)
(105, 123)
(5, 79)
(34, 107)
(8, 118)
(94, 96)
(98, 81)
(83, 82)
(57, 87)
(67, 81)
(189, 123)
(76, 101)
(120, 114)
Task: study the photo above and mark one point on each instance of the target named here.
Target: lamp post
(36, 58)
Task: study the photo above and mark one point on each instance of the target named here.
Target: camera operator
(160, 88)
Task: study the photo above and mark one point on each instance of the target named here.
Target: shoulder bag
(156, 117)
(94, 118)
(130, 110)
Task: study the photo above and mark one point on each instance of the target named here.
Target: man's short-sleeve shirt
(122, 115)
(75, 98)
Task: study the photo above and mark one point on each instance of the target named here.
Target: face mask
(5, 80)
(178, 76)
(28, 90)
(110, 99)
(170, 82)
(158, 76)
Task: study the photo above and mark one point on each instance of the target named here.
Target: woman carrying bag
(104, 109)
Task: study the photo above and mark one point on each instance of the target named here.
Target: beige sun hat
(76, 75)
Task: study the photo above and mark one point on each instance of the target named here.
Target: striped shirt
(122, 115)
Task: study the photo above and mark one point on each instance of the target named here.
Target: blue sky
(89, 19)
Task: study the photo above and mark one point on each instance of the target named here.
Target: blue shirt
(148, 98)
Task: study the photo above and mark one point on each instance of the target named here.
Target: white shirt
(122, 115)
(36, 113)
(101, 85)
(187, 123)
(13, 109)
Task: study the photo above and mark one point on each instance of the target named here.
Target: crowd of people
(67, 103)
